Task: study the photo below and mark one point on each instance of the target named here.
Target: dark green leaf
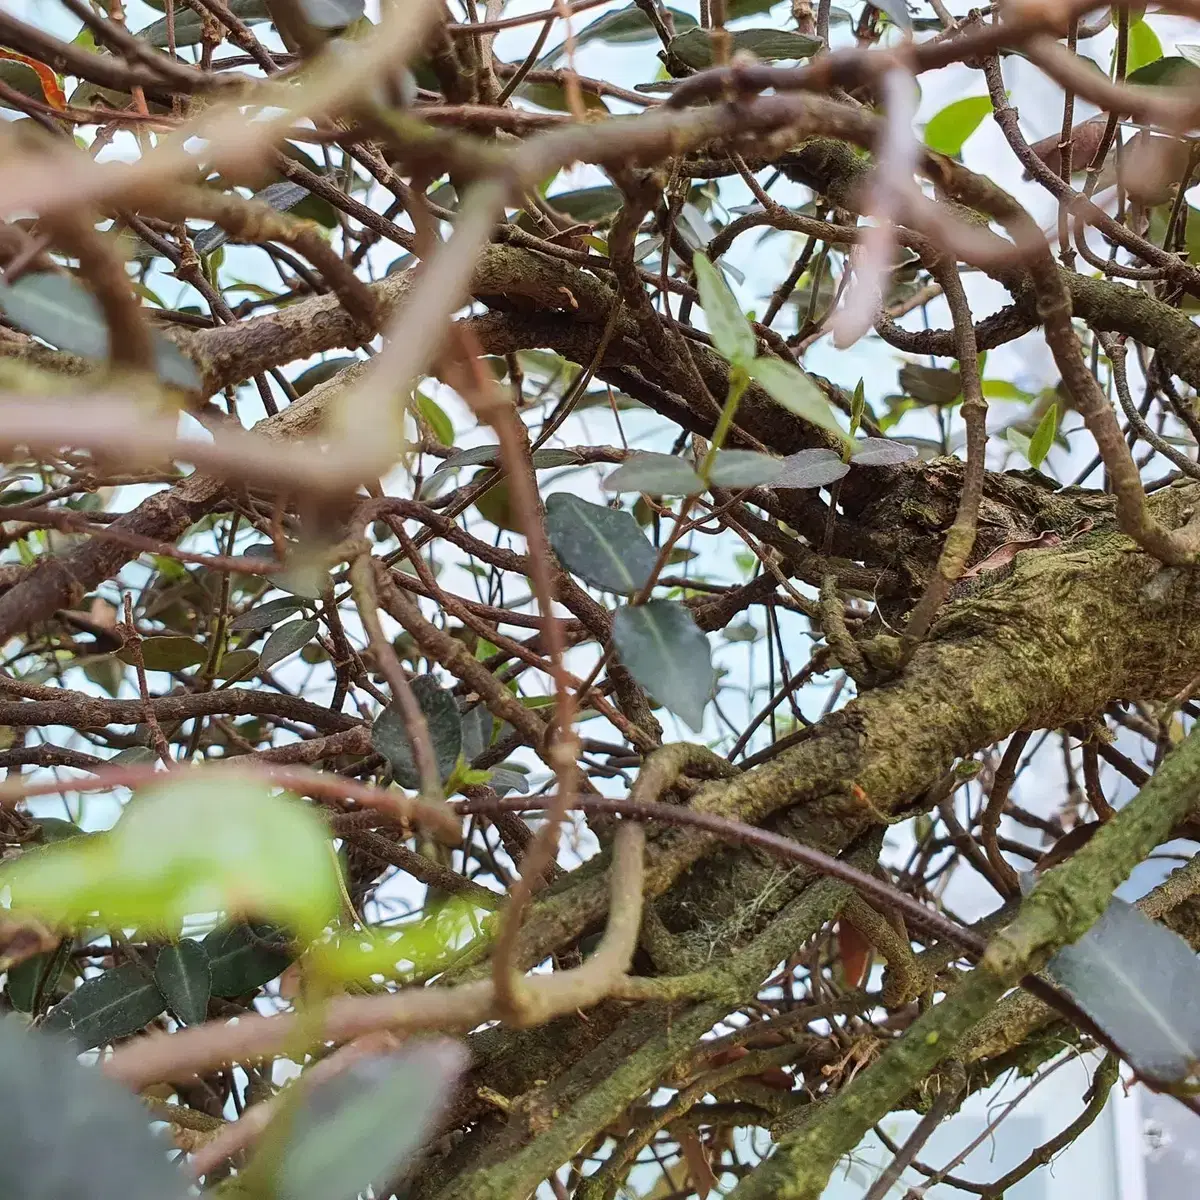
(60, 310)
(656, 475)
(594, 204)
(55, 829)
(358, 1129)
(189, 26)
(811, 469)
(930, 385)
(743, 468)
(603, 546)
(1138, 981)
(506, 779)
(666, 652)
(287, 639)
(950, 128)
(67, 1131)
(389, 734)
(623, 26)
(321, 372)
(184, 977)
(880, 452)
(35, 975)
(1173, 71)
(168, 653)
(477, 726)
(235, 664)
(1043, 436)
(263, 616)
(794, 390)
(280, 196)
(112, 1005)
(731, 332)
(242, 958)
(694, 48)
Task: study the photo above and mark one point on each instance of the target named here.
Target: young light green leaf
(112, 1005)
(360, 1128)
(184, 976)
(433, 412)
(1043, 436)
(656, 475)
(287, 639)
(603, 546)
(67, 1131)
(731, 332)
(1138, 981)
(666, 652)
(1144, 47)
(60, 310)
(243, 957)
(389, 734)
(880, 452)
(815, 468)
(794, 390)
(858, 406)
(1017, 440)
(950, 128)
(744, 468)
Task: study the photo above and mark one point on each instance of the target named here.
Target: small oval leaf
(263, 616)
(603, 546)
(184, 976)
(112, 1005)
(389, 734)
(656, 475)
(811, 469)
(950, 128)
(287, 639)
(242, 957)
(743, 469)
(880, 452)
(168, 653)
(794, 390)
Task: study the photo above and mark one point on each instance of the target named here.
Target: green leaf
(236, 664)
(594, 205)
(35, 977)
(242, 958)
(477, 727)
(950, 128)
(67, 1131)
(858, 405)
(743, 468)
(880, 452)
(184, 976)
(815, 468)
(167, 653)
(1137, 981)
(694, 48)
(389, 734)
(287, 639)
(556, 98)
(321, 372)
(1144, 47)
(1171, 71)
(1043, 436)
(790, 387)
(263, 616)
(442, 426)
(58, 309)
(507, 779)
(281, 196)
(360, 1128)
(1004, 389)
(656, 475)
(112, 1005)
(931, 385)
(624, 26)
(666, 653)
(1017, 440)
(189, 26)
(731, 332)
(603, 546)
(196, 842)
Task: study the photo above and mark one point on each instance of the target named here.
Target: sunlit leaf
(656, 475)
(113, 1005)
(811, 469)
(880, 452)
(603, 546)
(361, 1127)
(666, 652)
(1144, 47)
(184, 977)
(60, 310)
(439, 422)
(389, 734)
(1043, 436)
(732, 334)
(744, 468)
(67, 1131)
(789, 386)
(950, 128)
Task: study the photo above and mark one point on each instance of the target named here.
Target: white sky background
(1026, 362)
